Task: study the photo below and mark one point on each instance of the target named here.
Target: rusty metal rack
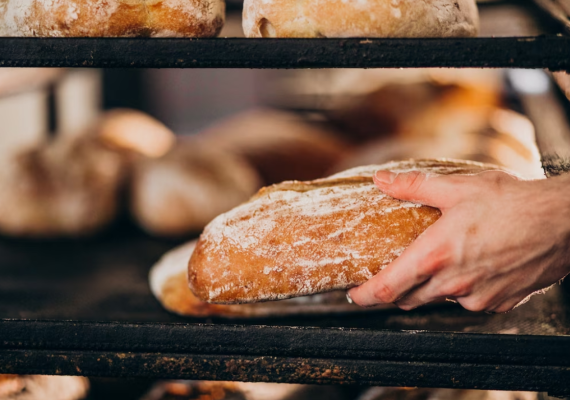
(84, 308)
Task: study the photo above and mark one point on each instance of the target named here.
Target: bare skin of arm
(499, 240)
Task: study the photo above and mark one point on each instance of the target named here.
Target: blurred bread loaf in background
(68, 187)
(135, 132)
(180, 192)
(433, 120)
(280, 145)
(176, 185)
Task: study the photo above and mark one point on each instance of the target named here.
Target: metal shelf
(549, 51)
(84, 308)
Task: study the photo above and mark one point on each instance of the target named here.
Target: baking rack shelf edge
(287, 354)
(547, 51)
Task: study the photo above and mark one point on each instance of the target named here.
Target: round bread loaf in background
(69, 187)
(112, 18)
(280, 145)
(300, 238)
(134, 132)
(360, 18)
(180, 192)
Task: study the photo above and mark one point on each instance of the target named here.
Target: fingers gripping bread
(300, 238)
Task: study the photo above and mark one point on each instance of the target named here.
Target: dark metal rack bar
(549, 51)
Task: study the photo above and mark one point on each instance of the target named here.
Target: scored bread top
(299, 238)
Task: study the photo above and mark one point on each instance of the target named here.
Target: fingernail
(348, 298)
(385, 177)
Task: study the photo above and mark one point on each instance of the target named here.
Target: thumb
(433, 190)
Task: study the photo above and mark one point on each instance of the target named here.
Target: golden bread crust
(360, 18)
(169, 282)
(111, 18)
(300, 238)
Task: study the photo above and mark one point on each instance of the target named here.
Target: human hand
(499, 240)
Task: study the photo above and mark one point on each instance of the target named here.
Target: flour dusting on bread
(300, 238)
(169, 284)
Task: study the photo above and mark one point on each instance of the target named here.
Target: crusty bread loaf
(280, 145)
(168, 280)
(300, 238)
(363, 18)
(180, 192)
(111, 18)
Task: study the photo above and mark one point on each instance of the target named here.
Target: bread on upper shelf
(360, 18)
(300, 238)
(111, 18)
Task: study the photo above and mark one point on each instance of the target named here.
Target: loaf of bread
(435, 121)
(111, 18)
(68, 187)
(136, 132)
(421, 110)
(169, 284)
(180, 192)
(363, 18)
(280, 145)
(506, 148)
(41, 387)
(300, 238)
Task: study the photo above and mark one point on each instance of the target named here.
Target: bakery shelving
(84, 308)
